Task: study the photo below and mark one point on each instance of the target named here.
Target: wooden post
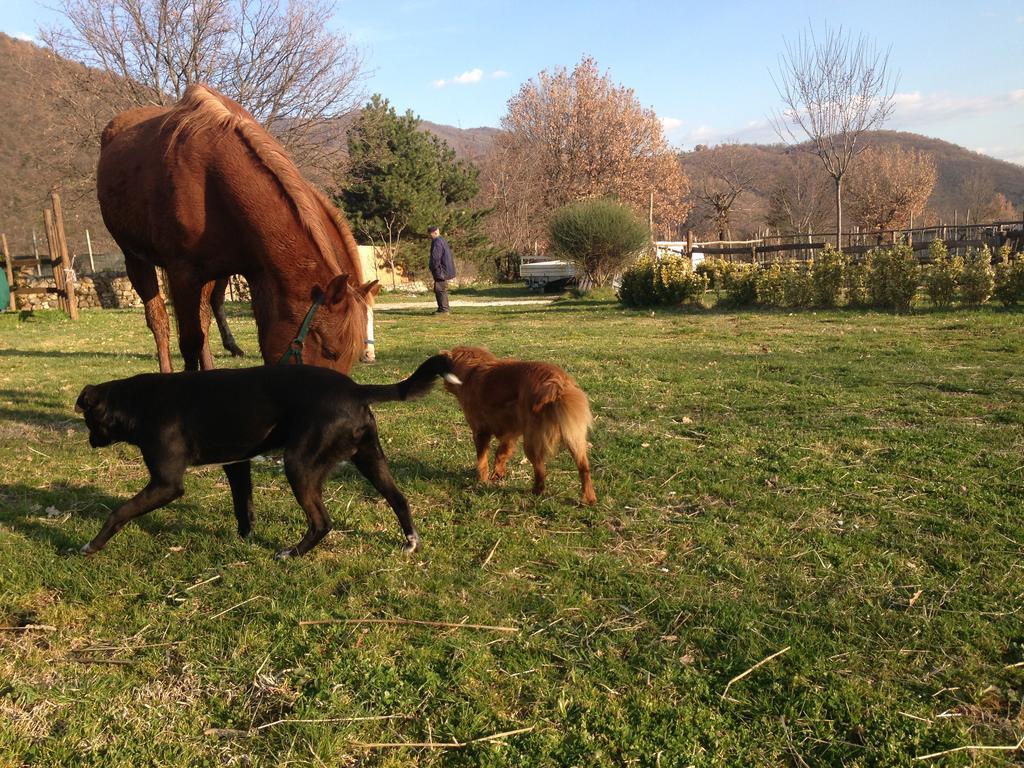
(88, 244)
(65, 259)
(689, 243)
(10, 273)
(58, 273)
(35, 252)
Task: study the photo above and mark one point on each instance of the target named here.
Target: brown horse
(203, 191)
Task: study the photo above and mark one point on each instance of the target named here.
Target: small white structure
(540, 273)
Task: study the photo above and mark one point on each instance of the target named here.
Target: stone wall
(104, 290)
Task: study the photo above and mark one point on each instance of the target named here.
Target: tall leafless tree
(275, 58)
(720, 182)
(799, 197)
(834, 89)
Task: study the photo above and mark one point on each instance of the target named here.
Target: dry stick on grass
(236, 605)
(333, 720)
(30, 628)
(443, 624)
(744, 674)
(438, 744)
(978, 748)
(491, 553)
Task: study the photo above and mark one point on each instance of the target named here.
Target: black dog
(318, 416)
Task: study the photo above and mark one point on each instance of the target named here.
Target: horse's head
(342, 330)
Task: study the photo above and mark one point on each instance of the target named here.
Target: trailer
(547, 275)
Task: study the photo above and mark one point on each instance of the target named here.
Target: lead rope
(294, 350)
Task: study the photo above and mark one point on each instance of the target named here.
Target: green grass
(845, 485)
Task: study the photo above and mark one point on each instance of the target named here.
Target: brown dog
(511, 398)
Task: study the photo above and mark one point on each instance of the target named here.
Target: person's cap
(431, 230)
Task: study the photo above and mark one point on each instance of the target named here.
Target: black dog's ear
(86, 399)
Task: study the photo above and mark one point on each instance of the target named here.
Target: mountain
(37, 154)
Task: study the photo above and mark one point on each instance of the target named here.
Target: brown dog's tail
(564, 410)
(417, 385)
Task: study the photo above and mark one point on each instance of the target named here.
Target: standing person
(442, 268)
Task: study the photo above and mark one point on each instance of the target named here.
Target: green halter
(294, 350)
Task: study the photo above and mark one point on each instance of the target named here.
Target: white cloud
(671, 124)
(915, 108)
(25, 36)
(470, 77)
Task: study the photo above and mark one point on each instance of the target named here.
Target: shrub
(675, 283)
(637, 286)
(769, 284)
(855, 284)
(977, 278)
(797, 286)
(739, 281)
(892, 277)
(1009, 278)
(598, 235)
(941, 277)
(666, 282)
(714, 270)
(827, 273)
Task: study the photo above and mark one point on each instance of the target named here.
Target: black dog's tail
(417, 385)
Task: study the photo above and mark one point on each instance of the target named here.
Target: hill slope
(36, 156)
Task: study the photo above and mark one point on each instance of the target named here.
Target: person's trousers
(441, 294)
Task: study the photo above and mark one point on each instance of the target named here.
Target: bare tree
(587, 137)
(889, 186)
(834, 89)
(275, 58)
(799, 199)
(510, 185)
(720, 181)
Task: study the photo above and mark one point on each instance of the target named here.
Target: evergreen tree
(399, 181)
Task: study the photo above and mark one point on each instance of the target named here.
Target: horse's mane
(203, 109)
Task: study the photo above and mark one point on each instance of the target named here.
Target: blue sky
(704, 68)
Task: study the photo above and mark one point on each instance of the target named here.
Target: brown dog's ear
(86, 399)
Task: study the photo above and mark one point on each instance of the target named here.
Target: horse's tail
(417, 385)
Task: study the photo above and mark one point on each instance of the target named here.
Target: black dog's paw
(285, 554)
(87, 549)
(412, 544)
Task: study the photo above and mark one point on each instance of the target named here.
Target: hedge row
(888, 278)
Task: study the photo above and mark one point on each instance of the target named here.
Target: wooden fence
(786, 248)
(59, 261)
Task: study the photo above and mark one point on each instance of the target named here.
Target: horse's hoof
(285, 554)
(412, 544)
(87, 550)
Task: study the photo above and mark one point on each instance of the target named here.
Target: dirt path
(456, 303)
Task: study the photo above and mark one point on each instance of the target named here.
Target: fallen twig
(978, 747)
(491, 553)
(30, 628)
(332, 720)
(444, 624)
(438, 744)
(760, 663)
(236, 605)
(98, 660)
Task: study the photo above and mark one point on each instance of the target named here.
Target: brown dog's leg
(369, 459)
(506, 446)
(157, 493)
(482, 441)
(240, 480)
(536, 452)
(583, 465)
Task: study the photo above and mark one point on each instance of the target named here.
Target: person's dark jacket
(442, 266)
